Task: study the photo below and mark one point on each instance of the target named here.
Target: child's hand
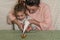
(29, 29)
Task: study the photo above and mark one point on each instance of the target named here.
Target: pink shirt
(43, 15)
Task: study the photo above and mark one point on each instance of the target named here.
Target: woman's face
(32, 9)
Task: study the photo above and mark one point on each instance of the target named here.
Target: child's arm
(20, 25)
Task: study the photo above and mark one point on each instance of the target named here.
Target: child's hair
(32, 2)
(18, 8)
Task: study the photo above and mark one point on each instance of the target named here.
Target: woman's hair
(21, 1)
(32, 2)
(18, 8)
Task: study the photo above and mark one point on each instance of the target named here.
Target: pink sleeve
(11, 16)
(47, 24)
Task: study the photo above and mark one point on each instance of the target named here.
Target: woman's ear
(27, 12)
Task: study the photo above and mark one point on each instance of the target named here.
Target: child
(20, 17)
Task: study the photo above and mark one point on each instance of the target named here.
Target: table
(32, 35)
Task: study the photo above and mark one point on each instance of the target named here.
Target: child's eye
(21, 15)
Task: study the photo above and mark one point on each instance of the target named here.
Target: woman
(40, 12)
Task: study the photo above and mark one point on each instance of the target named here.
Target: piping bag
(26, 26)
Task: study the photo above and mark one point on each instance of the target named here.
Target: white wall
(6, 5)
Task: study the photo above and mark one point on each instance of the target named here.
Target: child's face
(20, 15)
(32, 9)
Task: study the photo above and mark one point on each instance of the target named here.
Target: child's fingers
(29, 29)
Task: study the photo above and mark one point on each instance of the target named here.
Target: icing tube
(26, 25)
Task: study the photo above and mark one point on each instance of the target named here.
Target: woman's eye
(18, 16)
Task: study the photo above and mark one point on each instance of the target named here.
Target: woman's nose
(32, 11)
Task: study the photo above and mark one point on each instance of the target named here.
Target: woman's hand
(11, 16)
(8, 21)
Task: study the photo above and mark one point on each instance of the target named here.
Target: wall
(7, 5)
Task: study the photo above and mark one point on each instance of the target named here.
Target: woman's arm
(32, 21)
(47, 24)
(12, 18)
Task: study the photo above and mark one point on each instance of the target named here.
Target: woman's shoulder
(43, 5)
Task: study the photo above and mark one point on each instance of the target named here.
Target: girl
(19, 14)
